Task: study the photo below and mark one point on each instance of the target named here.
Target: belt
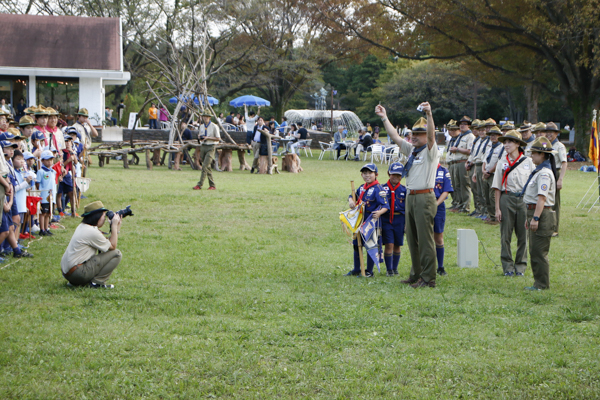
(478, 163)
(514, 194)
(398, 213)
(533, 206)
(456, 162)
(420, 191)
(71, 270)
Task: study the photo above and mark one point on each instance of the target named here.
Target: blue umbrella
(249, 100)
(211, 100)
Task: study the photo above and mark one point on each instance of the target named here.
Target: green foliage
(239, 293)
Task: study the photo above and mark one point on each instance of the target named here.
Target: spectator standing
(250, 122)
(20, 109)
(209, 136)
(163, 115)
(153, 116)
(120, 109)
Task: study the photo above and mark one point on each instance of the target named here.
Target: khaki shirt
(542, 183)
(212, 130)
(478, 150)
(561, 156)
(84, 244)
(491, 167)
(528, 148)
(465, 142)
(3, 167)
(450, 156)
(85, 132)
(516, 179)
(422, 173)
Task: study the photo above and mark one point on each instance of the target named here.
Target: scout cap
(396, 168)
(513, 135)
(47, 155)
(68, 137)
(539, 127)
(16, 133)
(420, 126)
(477, 123)
(40, 111)
(551, 126)
(465, 119)
(26, 121)
(27, 155)
(6, 143)
(2, 112)
(7, 135)
(495, 131)
(92, 208)
(51, 111)
(490, 122)
(507, 127)
(525, 127)
(205, 114)
(29, 111)
(84, 112)
(542, 145)
(370, 167)
(452, 125)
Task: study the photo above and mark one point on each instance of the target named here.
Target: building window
(61, 94)
(12, 90)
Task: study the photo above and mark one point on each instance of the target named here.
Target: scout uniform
(541, 182)
(522, 129)
(452, 127)
(40, 111)
(479, 126)
(461, 182)
(374, 198)
(443, 184)
(560, 157)
(207, 151)
(58, 139)
(392, 222)
(478, 152)
(509, 179)
(84, 131)
(421, 208)
(27, 144)
(490, 159)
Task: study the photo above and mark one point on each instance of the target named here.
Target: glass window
(12, 90)
(61, 94)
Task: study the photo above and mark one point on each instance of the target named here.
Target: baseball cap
(27, 155)
(370, 167)
(6, 143)
(37, 135)
(46, 155)
(396, 168)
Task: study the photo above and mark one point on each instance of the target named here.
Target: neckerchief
(511, 166)
(46, 168)
(365, 188)
(489, 157)
(451, 143)
(52, 133)
(554, 141)
(545, 164)
(206, 128)
(409, 163)
(483, 143)
(531, 139)
(393, 191)
(459, 138)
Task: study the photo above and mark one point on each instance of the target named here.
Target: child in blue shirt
(24, 180)
(393, 221)
(45, 180)
(375, 201)
(443, 186)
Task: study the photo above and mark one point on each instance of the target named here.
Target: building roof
(39, 41)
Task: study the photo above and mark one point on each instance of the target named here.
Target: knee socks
(356, 259)
(439, 250)
(370, 264)
(396, 261)
(389, 259)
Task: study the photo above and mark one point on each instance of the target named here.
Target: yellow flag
(594, 153)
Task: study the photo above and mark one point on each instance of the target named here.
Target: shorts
(439, 221)
(45, 208)
(14, 210)
(65, 188)
(393, 232)
(6, 222)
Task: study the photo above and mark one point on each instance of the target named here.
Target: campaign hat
(490, 122)
(465, 119)
(526, 126)
(551, 126)
(542, 145)
(539, 127)
(26, 121)
(93, 207)
(452, 124)
(419, 126)
(495, 130)
(513, 135)
(84, 112)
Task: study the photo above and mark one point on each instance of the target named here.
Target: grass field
(239, 293)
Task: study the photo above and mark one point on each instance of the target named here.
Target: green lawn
(240, 293)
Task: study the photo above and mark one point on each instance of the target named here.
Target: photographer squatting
(80, 264)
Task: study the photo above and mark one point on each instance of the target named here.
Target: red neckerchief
(365, 188)
(505, 175)
(43, 130)
(393, 190)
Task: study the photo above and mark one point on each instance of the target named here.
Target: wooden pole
(357, 236)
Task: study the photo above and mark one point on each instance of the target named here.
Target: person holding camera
(90, 257)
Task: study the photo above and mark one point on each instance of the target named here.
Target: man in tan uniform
(453, 131)
(560, 160)
(490, 159)
(461, 150)
(209, 134)
(478, 128)
(528, 137)
(421, 206)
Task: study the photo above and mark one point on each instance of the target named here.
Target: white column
(91, 97)
(31, 91)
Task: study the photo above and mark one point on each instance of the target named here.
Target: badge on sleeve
(544, 187)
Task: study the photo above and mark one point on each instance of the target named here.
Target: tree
(504, 36)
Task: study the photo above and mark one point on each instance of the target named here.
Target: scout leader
(462, 150)
(421, 206)
(208, 134)
(490, 159)
(538, 196)
(560, 160)
(454, 132)
(478, 129)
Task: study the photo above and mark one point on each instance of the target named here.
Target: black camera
(122, 213)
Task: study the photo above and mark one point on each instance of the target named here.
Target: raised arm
(430, 125)
(391, 131)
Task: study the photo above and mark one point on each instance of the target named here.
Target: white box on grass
(468, 248)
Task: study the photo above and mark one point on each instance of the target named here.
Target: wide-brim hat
(2, 112)
(551, 126)
(370, 167)
(84, 112)
(419, 126)
(507, 127)
(26, 121)
(51, 111)
(542, 145)
(29, 111)
(466, 119)
(40, 111)
(452, 124)
(489, 122)
(93, 207)
(205, 114)
(476, 123)
(539, 127)
(512, 135)
(526, 126)
(396, 168)
(495, 130)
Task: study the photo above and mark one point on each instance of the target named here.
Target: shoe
(52, 226)
(24, 254)
(492, 222)
(555, 234)
(473, 214)
(442, 272)
(395, 272)
(62, 214)
(421, 283)
(99, 286)
(390, 273)
(532, 288)
(212, 188)
(519, 274)
(463, 211)
(196, 188)
(509, 274)
(367, 275)
(352, 273)
(48, 233)
(42, 233)
(252, 171)
(4, 254)
(408, 281)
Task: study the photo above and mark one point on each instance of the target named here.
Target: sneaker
(352, 273)
(48, 233)
(555, 234)
(367, 274)
(390, 273)
(212, 188)
(196, 188)
(509, 274)
(442, 272)
(24, 254)
(395, 272)
(421, 283)
(532, 288)
(100, 286)
(62, 214)
(473, 214)
(252, 170)
(519, 274)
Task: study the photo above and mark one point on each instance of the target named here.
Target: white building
(60, 62)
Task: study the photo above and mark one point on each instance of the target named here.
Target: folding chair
(377, 150)
(326, 147)
(305, 145)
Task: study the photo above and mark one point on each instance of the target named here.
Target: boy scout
(528, 137)
(461, 150)
(490, 159)
(209, 136)
(478, 128)
(538, 196)
(421, 206)
(453, 131)
(560, 160)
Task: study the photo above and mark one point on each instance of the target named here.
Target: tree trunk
(582, 112)
(532, 94)
(242, 159)
(225, 160)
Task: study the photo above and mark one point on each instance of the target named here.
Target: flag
(594, 154)
(352, 218)
(370, 235)
(83, 184)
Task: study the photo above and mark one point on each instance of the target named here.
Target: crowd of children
(37, 174)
